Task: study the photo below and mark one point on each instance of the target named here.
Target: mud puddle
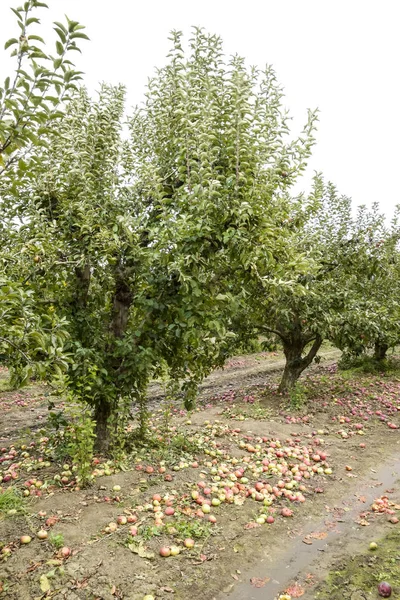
(283, 567)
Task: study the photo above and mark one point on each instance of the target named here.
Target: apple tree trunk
(296, 363)
(380, 351)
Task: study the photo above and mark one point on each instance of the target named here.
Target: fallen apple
(25, 539)
(384, 589)
(42, 534)
(373, 546)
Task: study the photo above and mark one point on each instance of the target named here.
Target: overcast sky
(342, 56)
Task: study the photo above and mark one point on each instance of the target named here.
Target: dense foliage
(31, 106)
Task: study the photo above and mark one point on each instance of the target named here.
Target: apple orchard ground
(246, 453)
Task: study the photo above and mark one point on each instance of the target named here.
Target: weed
(193, 529)
(297, 396)
(5, 385)
(57, 540)
(147, 532)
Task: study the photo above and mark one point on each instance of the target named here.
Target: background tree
(371, 320)
(302, 315)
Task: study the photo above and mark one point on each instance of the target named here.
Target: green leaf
(61, 34)
(61, 26)
(36, 37)
(17, 12)
(59, 48)
(10, 42)
(32, 20)
(78, 34)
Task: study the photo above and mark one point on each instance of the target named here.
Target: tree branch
(16, 348)
(313, 350)
(275, 331)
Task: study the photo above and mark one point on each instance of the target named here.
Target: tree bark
(380, 350)
(121, 304)
(296, 363)
(102, 413)
(122, 301)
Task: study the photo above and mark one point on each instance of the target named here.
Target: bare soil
(240, 421)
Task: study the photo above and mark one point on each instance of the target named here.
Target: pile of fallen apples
(271, 473)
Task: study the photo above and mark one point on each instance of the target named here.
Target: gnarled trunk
(295, 362)
(380, 350)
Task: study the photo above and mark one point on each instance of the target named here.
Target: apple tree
(142, 237)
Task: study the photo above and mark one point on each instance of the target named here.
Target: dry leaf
(319, 535)
(202, 557)
(259, 582)
(140, 550)
(252, 525)
(33, 567)
(44, 584)
(239, 500)
(310, 579)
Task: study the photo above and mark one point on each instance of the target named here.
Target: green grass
(5, 385)
(11, 499)
(364, 572)
(146, 532)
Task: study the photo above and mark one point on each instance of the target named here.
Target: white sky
(342, 56)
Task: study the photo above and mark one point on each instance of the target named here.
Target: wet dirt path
(319, 555)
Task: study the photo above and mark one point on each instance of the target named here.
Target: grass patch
(297, 397)
(255, 411)
(172, 447)
(5, 385)
(11, 499)
(369, 365)
(363, 572)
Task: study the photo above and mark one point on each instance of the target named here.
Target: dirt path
(247, 370)
(307, 554)
(28, 407)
